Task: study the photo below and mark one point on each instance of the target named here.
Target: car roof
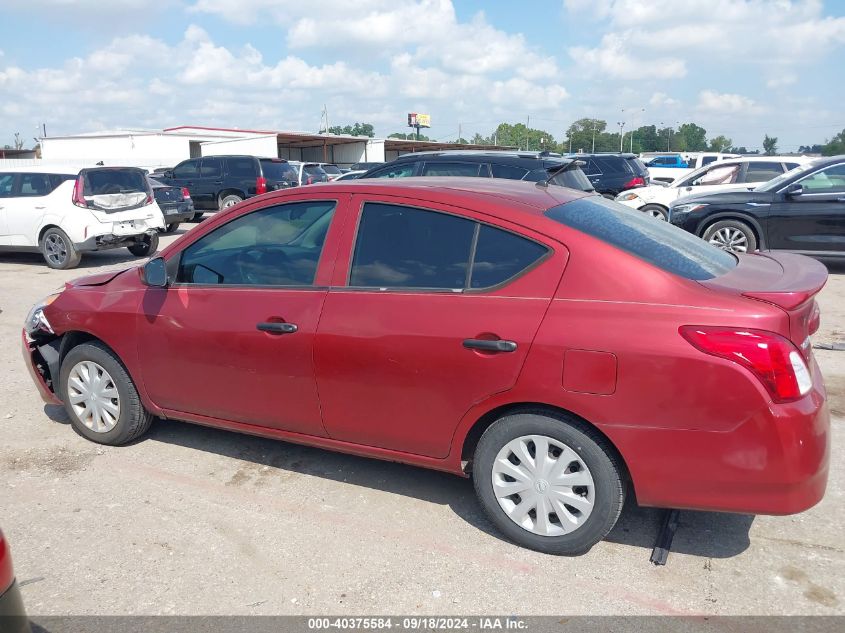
(478, 153)
(626, 155)
(43, 169)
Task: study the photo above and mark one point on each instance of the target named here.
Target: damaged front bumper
(42, 361)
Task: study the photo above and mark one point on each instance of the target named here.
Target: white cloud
(662, 99)
(782, 81)
(710, 101)
(614, 58)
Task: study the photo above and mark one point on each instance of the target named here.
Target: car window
(776, 183)
(105, 181)
(828, 180)
(762, 172)
(659, 243)
(402, 170)
(708, 159)
(6, 182)
(314, 173)
(35, 185)
(404, 247)
(451, 169)
(501, 255)
(331, 169)
(211, 168)
(511, 172)
(789, 166)
(277, 170)
(573, 177)
(241, 167)
(613, 165)
(591, 168)
(188, 169)
(275, 246)
(719, 175)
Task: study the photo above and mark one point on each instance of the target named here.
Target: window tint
(592, 168)
(707, 160)
(500, 255)
(719, 175)
(402, 170)
(828, 180)
(511, 172)
(108, 180)
(762, 172)
(613, 165)
(35, 185)
(241, 167)
(659, 243)
(573, 178)
(211, 168)
(276, 170)
(276, 246)
(331, 169)
(401, 247)
(6, 182)
(791, 165)
(314, 173)
(188, 169)
(451, 169)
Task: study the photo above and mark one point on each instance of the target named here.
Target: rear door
(756, 173)
(431, 311)
(209, 181)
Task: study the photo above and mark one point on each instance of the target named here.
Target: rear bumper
(12, 614)
(108, 241)
(177, 213)
(38, 371)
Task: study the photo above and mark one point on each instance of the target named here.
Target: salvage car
(64, 213)
(537, 338)
(12, 614)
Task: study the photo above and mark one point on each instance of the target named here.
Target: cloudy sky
(742, 68)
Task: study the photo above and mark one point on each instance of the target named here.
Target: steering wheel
(250, 261)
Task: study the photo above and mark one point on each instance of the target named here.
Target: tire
(229, 201)
(58, 251)
(197, 216)
(600, 491)
(656, 211)
(171, 228)
(131, 421)
(733, 236)
(145, 248)
(609, 196)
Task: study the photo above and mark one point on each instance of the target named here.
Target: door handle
(490, 346)
(277, 328)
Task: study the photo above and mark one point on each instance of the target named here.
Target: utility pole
(459, 133)
(621, 125)
(594, 138)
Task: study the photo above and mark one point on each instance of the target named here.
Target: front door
(25, 210)
(232, 337)
(434, 313)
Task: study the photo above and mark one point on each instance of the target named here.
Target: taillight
(78, 198)
(814, 320)
(260, 185)
(773, 359)
(636, 181)
(186, 195)
(149, 199)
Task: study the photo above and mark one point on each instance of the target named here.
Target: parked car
(219, 182)
(13, 617)
(309, 173)
(668, 168)
(365, 166)
(475, 326)
(175, 204)
(611, 174)
(802, 211)
(735, 173)
(63, 214)
(530, 166)
(669, 160)
(351, 175)
(333, 171)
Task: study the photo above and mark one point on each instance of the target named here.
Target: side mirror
(793, 191)
(154, 273)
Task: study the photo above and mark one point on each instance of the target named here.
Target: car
(175, 204)
(736, 173)
(479, 327)
(529, 166)
(669, 167)
(333, 171)
(309, 173)
(63, 213)
(802, 211)
(365, 165)
(13, 617)
(219, 182)
(611, 174)
(351, 175)
(668, 161)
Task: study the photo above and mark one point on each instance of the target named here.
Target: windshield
(778, 181)
(99, 182)
(331, 169)
(659, 243)
(316, 172)
(277, 170)
(572, 177)
(686, 181)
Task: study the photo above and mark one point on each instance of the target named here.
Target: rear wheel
(100, 397)
(655, 211)
(147, 246)
(197, 217)
(171, 228)
(58, 251)
(229, 201)
(551, 484)
(733, 236)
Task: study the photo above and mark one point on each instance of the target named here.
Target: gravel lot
(191, 520)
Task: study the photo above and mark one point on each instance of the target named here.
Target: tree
(811, 149)
(477, 139)
(645, 139)
(720, 144)
(408, 137)
(693, 137)
(359, 129)
(770, 145)
(519, 135)
(835, 146)
(742, 150)
(580, 135)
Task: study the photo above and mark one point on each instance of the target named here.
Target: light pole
(594, 138)
(621, 125)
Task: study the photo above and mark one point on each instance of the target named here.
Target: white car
(309, 173)
(65, 212)
(734, 173)
(663, 167)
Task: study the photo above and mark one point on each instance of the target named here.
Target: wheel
(58, 250)
(197, 216)
(148, 246)
(655, 211)
(731, 235)
(100, 397)
(171, 228)
(229, 201)
(609, 196)
(551, 484)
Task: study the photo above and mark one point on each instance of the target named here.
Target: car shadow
(89, 260)
(705, 534)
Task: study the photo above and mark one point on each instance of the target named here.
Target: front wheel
(732, 236)
(147, 246)
(655, 211)
(549, 483)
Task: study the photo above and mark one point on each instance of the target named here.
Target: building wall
(263, 146)
(141, 150)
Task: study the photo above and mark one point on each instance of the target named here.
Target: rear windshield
(275, 170)
(659, 243)
(574, 178)
(100, 182)
(314, 170)
(331, 169)
(636, 165)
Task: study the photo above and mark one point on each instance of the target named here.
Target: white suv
(733, 173)
(64, 212)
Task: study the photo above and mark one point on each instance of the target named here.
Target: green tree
(770, 145)
(359, 129)
(477, 139)
(523, 137)
(580, 135)
(693, 137)
(812, 149)
(741, 150)
(720, 144)
(835, 146)
(411, 136)
(646, 139)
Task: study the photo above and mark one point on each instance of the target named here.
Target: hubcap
(230, 203)
(543, 485)
(730, 239)
(56, 248)
(93, 396)
(657, 215)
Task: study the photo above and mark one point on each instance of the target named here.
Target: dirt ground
(192, 520)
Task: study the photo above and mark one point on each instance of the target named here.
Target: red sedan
(562, 349)
(12, 615)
